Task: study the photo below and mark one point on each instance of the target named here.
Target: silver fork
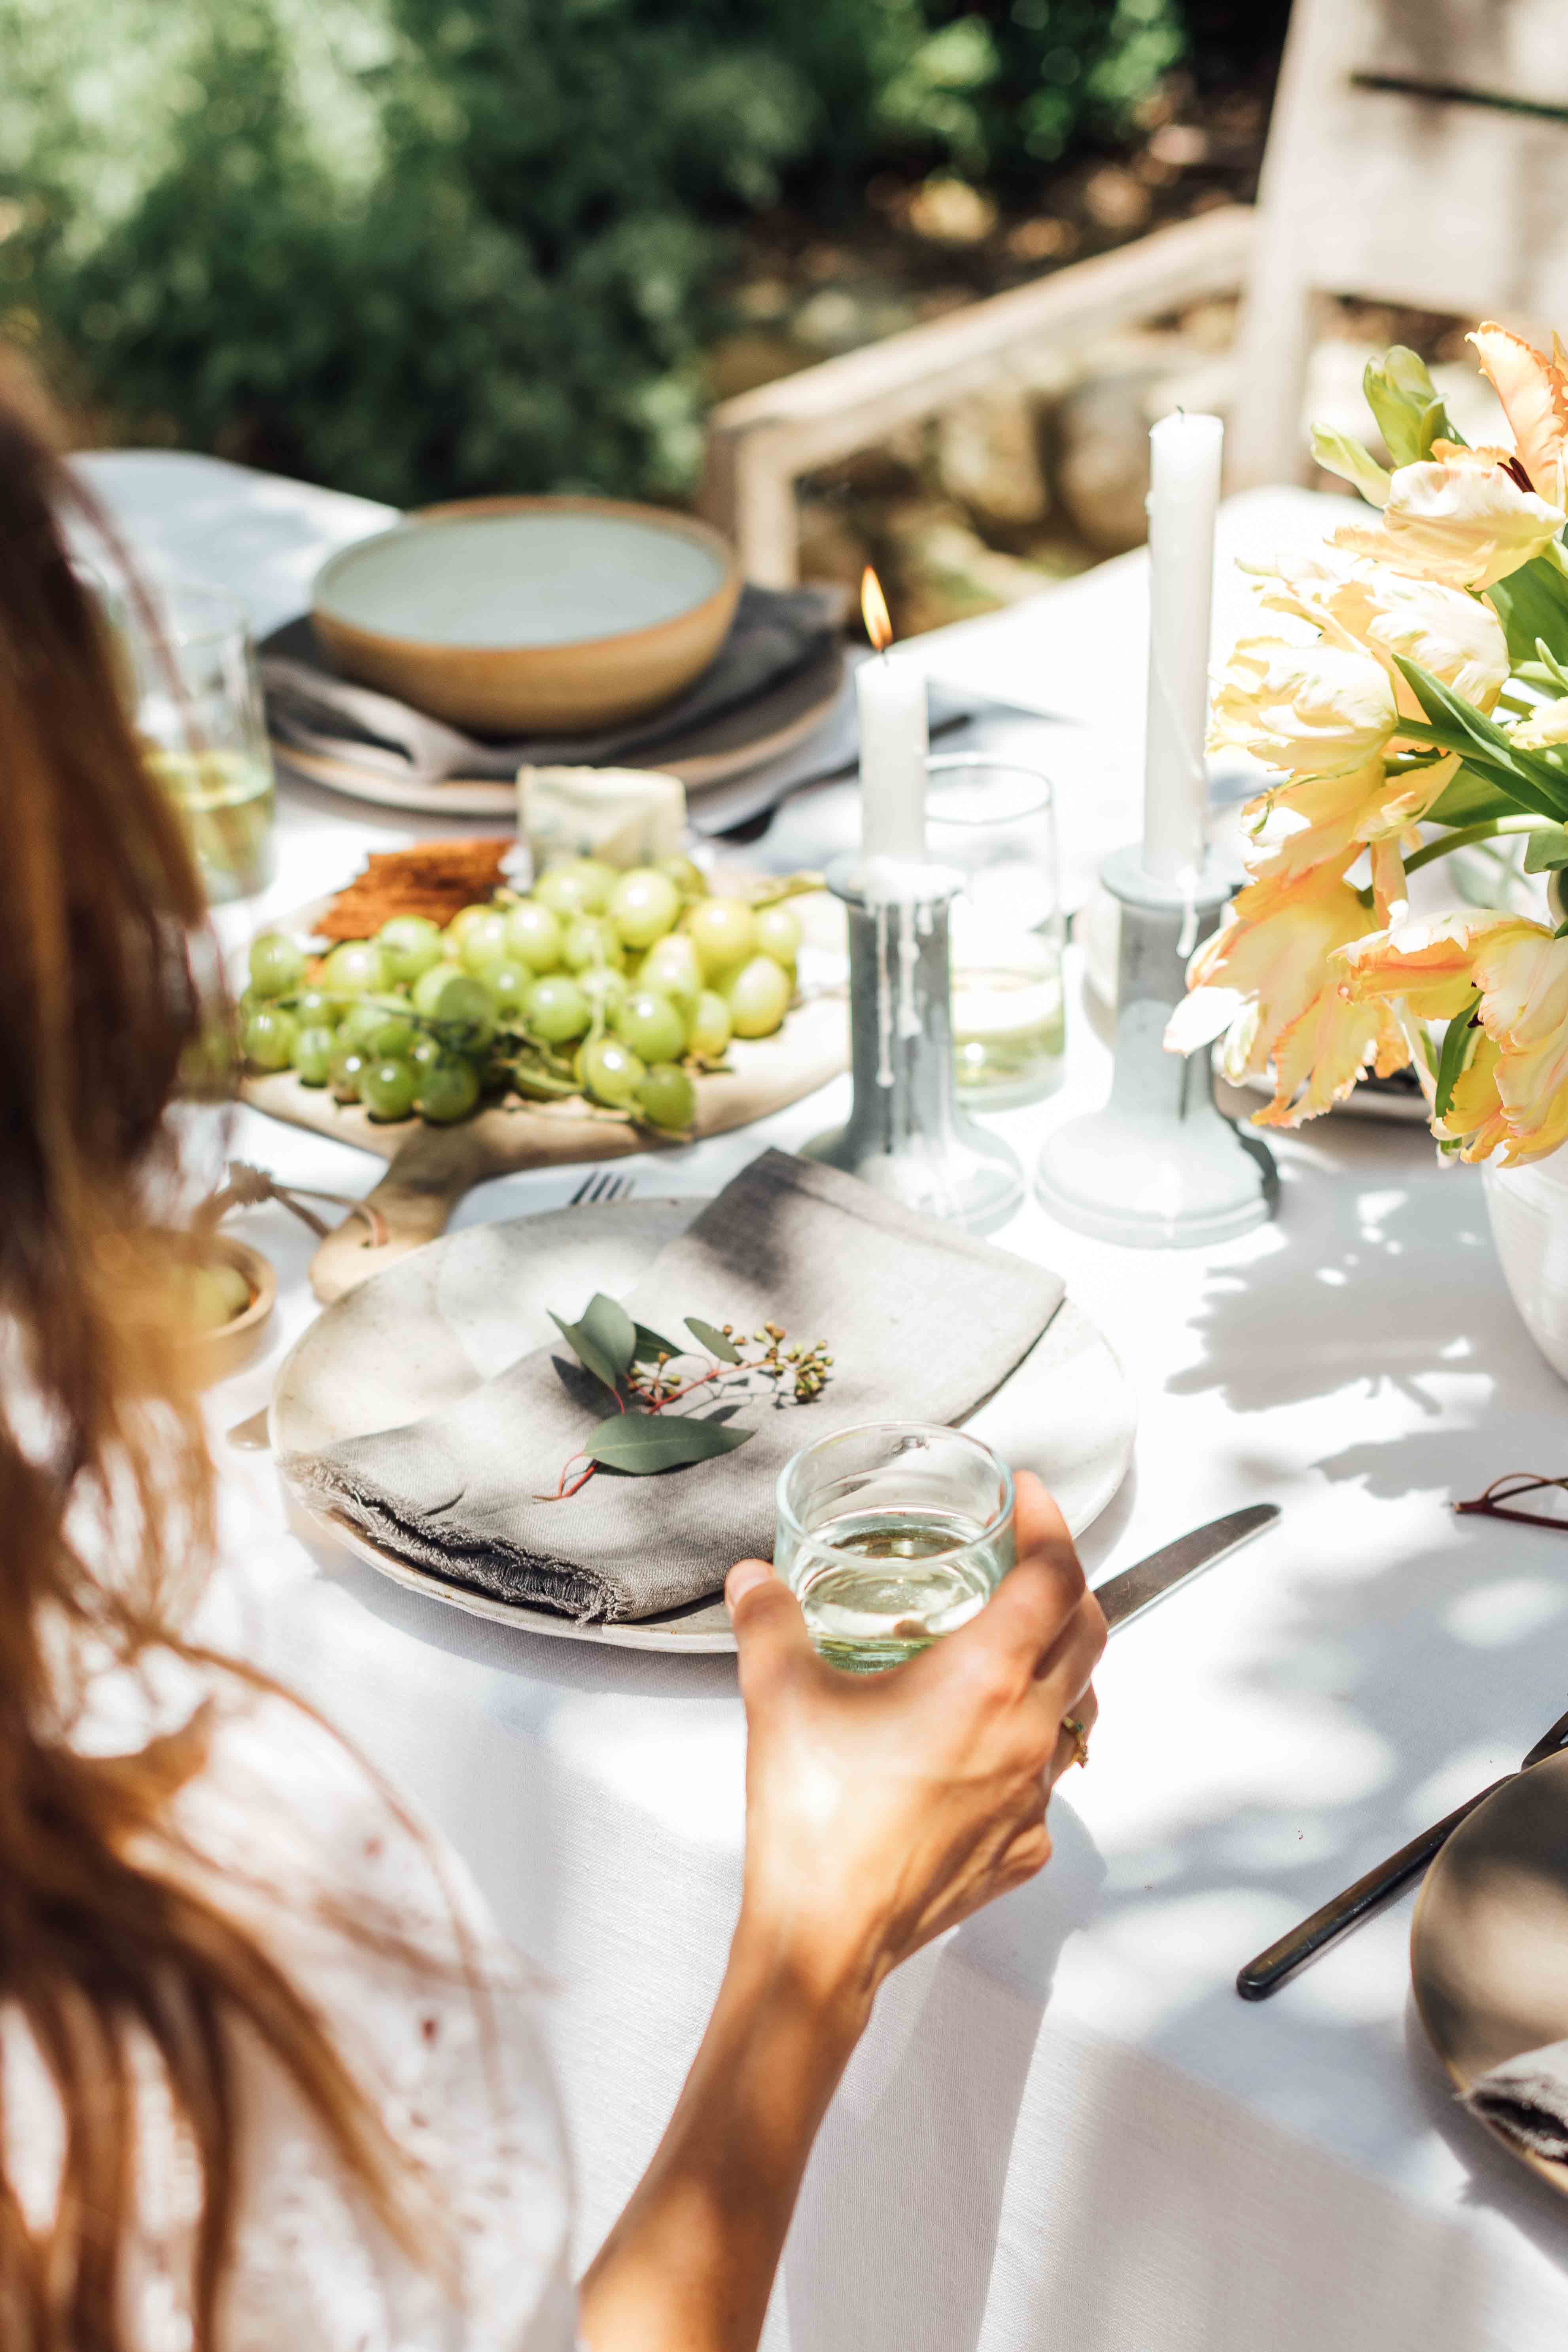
(604, 1184)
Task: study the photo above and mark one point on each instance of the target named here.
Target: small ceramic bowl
(234, 1343)
(509, 614)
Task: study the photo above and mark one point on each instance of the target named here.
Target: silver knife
(1138, 1588)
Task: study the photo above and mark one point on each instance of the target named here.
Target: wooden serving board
(431, 1168)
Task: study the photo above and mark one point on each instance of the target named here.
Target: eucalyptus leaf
(1546, 850)
(650, 1346)
(713, 1341)
(1451, 1060)
(612, 1331)
(582, 1345)
(642, 1442)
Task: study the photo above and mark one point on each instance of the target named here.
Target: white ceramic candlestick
(891, 691)
(1184, 495)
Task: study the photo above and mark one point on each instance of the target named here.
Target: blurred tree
(426, 247)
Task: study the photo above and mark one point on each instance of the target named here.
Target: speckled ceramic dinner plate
(1488, 1943)
(430, 1328)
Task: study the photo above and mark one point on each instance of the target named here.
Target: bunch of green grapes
(615, 986)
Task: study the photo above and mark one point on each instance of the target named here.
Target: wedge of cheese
(627, 816)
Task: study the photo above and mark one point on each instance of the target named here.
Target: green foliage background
(430, 248)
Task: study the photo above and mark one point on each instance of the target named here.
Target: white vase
(1529, 1213)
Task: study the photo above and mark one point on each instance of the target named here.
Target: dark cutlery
(1259, 1979)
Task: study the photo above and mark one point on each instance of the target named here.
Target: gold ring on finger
(1080, 1739)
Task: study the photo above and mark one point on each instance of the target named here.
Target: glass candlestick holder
(1160, 1166)
(905, 1133)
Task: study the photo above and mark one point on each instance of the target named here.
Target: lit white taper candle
(891, 692)
(1184, 493)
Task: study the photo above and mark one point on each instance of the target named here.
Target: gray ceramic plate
(1488, 1943)
(424, 1333)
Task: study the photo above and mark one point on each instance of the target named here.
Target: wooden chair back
(1419, 153)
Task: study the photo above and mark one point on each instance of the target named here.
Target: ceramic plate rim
(1553, 2172)
(642, 1633)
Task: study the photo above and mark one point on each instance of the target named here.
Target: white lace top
(311, 2269)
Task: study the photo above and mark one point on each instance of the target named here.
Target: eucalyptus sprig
(644, 1373)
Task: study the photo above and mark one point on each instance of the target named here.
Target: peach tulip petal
(1458, 518)
(1534, 396)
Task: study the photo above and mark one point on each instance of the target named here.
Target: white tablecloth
(1063, 2128)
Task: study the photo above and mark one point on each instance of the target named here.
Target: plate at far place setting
(430, 1330)
(1488, 1943)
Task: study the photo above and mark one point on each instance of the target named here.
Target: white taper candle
(1183, 494)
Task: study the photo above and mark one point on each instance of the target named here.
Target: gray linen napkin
(775, 633)
(922, 1323)
(1527, 2099)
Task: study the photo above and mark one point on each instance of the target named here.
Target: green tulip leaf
(642, 1442)
(1451, 1060)
(1546, 850)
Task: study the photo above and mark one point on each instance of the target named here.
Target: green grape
(268, 1037)
(313, 1055)
(426, 1049)
(462, 1007)
(687, 875)
(651, 1027)
(363, 1020)
(534, 935)
(589, 941)
(723, 932)
(778, 934)
(348, 1066)
(671, 966)
(711, 1027)
(575, 885)
(457, 931)
(667, 1096)
(509, 984)
(448, 1089)
(609, 1071)
(644, 905)
(313, 1009)
(277, 965)
(427, 990)
(409, 945)
(485, 942)
(758, 997)
(395, 1036)
(387, 1088)
(557, 1010)
(605, 987)
(356, 967)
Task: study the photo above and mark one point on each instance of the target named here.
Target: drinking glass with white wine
(198, 710)
(890, 1535)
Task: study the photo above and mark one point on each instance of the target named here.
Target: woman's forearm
(689, 2265)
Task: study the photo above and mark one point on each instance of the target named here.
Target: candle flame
(874, 609)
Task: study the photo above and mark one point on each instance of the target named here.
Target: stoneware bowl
(234, 1343)
(505, 614)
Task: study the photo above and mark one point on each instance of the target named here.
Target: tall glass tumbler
(994, 820)
(890, 1535)
(196, 706)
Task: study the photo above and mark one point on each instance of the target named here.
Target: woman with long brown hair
(267, 2082)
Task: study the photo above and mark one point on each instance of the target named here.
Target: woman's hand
(885, 1808)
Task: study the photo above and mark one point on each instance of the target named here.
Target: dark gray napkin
(922, 1323)
(775, 633)
(1527, 2099)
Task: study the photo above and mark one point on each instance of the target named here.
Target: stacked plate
(441, 655)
